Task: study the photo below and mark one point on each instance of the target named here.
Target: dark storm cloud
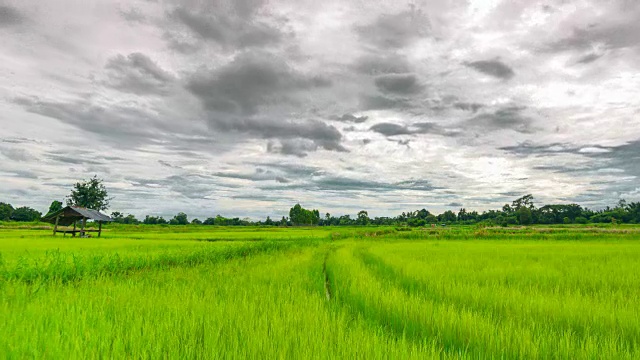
(252, 79)
(231, 26)
(472, 107)
(511, 118)
(10, 16)
(396, 30)
(625, 156)
(382, 64)
(296, 147)
(493, 68)
(323, 135)
(398, 84)
(137, 74)
(454, 204)
(390, 129)
(351, 118)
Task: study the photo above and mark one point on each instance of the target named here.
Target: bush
(581, 220)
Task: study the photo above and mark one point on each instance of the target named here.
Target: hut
(73, 214)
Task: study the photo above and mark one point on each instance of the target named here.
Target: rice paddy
(321, 293)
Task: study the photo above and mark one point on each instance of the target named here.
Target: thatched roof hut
(71, 214)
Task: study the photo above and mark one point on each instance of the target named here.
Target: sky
(246, 107)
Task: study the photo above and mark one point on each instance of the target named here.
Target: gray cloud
(390, 129)
(493, 68)
(138, 74)
(322, 135)
(473, 107)
(398, 84)
(16, 154)
(133, 15)
(122, 124)
(589, 58)
(510, 117)
(611, 35)
(10, 16)
(382, 64)
(230, 25)
(340, 183)
(296, 147)
(397, 30)
(351, 118)
(455, 204)
(251, 80)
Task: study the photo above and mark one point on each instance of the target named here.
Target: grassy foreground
(206, 292)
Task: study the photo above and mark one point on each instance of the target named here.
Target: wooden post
(55, 227)
(74, 228)
(99, 228)
(84, 222)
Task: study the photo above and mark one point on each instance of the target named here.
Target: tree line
(522, 211)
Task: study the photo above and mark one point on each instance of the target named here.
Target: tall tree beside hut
(90, 194)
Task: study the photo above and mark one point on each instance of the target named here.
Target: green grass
(374, 293)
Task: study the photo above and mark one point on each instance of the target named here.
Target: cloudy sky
(245, 107)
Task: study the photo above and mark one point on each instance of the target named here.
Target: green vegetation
(322, 292)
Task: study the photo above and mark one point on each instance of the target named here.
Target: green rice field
(201, 292)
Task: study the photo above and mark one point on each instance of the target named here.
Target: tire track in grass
(499, 315)
(412, 324)
(327, 283)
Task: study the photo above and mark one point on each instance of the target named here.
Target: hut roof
(72, 213)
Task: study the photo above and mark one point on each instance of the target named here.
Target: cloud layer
(245, 107)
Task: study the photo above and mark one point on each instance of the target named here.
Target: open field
(208, 292)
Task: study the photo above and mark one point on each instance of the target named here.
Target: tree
(301, 216)
(6, 210)
(179, 219)
(130, 219)
(363, 218)
(55, 206)
(117, 217)
(25, 214)
(448, 216)
(90, 194)
(524, 215)
(196, 222)
(525, 201)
